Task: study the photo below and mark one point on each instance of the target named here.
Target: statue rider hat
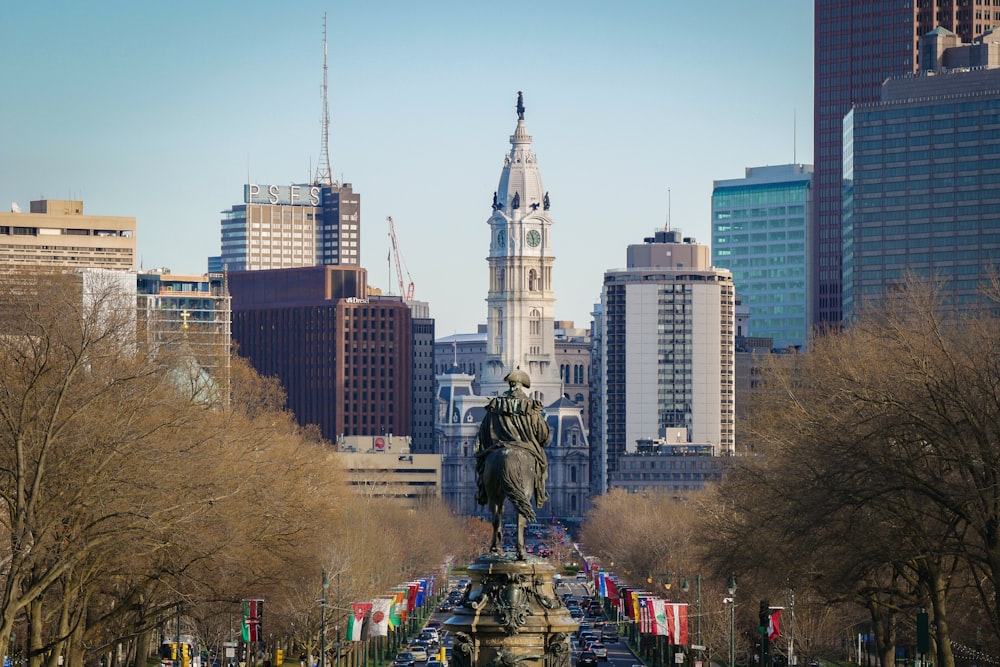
(517, 375)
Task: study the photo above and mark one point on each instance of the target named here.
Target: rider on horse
(514, 420)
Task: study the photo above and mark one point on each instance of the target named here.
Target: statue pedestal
(511, 616)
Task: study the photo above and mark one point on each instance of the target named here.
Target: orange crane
(406, 291)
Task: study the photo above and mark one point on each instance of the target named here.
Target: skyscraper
(760, 227)
(922, 179)
(858, 45)
(668, 333)
(292, 226)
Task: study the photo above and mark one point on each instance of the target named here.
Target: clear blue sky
(162, 110)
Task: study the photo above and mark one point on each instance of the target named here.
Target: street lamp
(731, 589)
(322, 626)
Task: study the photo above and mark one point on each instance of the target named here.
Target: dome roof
(520, 176)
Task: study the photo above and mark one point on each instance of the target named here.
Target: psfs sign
(284, 195)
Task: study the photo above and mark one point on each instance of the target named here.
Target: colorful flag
(602, 585)
(774, 627)
(356, 621)
(380, 617)
(660, 617)
(397, 610)
(677, 623)
(253, 611)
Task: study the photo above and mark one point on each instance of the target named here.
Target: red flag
(677, 623)
(773, 627)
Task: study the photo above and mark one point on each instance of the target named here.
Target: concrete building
(410, 478)
(56, 233)
(344, 357)
(922, 180)
(668, 337)
(760, 232)
(289, 226)
(423, 411)
(669, 464)
(858, 45)
(520, 333)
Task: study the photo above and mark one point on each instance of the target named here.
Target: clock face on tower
(533, 238)
(501, 239)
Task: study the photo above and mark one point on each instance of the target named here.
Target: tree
(880, 449)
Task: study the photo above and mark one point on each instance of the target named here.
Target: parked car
(586, 659)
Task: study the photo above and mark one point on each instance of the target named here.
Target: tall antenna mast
(666, 227)
(323, 174)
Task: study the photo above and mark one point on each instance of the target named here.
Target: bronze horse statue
(510, 462)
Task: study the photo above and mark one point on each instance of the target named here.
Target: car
(435, 663)
(586, 659)
(584, 627)
(586, 637)
(599, 649)
(434, 625)
(419, 652)
(576, 613)
(609, 634)
(404, 659)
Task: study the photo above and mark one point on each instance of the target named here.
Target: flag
(773, 627)
(660, 617)
(380, 617)
(677, 623)
(356, 621)
(602, 587)
(411, 598)
(397, 610)
(612, 589)
(253, 611)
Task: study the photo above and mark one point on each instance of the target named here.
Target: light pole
(731, 589)
(322, 624)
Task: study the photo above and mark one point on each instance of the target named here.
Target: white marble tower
(520, 303)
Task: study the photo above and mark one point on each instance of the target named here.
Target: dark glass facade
(858, 44)
(922, 190)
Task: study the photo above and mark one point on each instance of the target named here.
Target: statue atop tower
(520, 105)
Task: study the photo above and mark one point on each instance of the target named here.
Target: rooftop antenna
(323, 174)
(666, 227)
(794, 135)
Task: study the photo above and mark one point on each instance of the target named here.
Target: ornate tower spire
(521, 304)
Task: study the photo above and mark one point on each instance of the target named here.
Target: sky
(162, 111)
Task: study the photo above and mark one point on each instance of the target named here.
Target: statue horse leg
(496, 506)
(521, 521)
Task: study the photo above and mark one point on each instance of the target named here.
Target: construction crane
(405, 290)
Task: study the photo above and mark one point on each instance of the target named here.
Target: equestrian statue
(510, 461)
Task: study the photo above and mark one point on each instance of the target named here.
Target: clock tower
(520, 302)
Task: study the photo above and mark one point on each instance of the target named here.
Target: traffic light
(279, 657)
(185, 655)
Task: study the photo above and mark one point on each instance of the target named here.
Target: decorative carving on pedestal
(511, 616)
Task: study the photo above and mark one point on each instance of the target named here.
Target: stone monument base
(510, 615)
